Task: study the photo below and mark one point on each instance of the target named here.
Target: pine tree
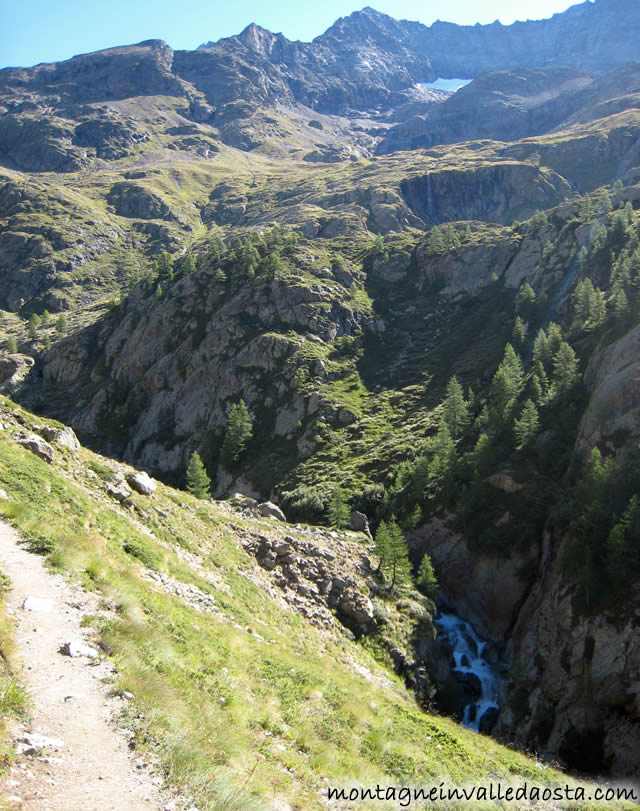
(505, 386)
(272, 265)
(398, 566)
(456, 408)
(61, 324)
(11, 345)
(382, 544)
(518, 334)
(443, 464)
(483, 455)
(435, 242)
(188, 263)
(237, 433)
(565, 367)
(164, 267)
(525, 300)
(34, 323)
(198, 481)
(426, 578)
(337, 509)
(525, 428)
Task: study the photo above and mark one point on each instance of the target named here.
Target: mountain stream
(468, 651)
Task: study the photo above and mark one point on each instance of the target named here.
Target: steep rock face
(613, 375)
(171, 374)
(574, 693)
(468, 579)
(495, 193)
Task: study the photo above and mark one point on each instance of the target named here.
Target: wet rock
(37, 445)
(488, 720)
(470, 683)
(271, 510)
(142, 483)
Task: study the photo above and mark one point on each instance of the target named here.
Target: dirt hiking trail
(71, 757)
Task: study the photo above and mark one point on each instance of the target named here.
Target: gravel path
(83, 763)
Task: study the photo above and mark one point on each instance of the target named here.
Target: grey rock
(271, 510)
(31, 743)
(39, 604)
(65, 437)
(359, 522)
(76, 649)
(268, 562)
(142, 483)
(282, 548)
(356, 606)
(119, 490)
(37, 445)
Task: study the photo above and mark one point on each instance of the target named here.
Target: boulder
(356, 606)
(119, 490)
(271, 510)
(142, 483)
(37, 445)
(76, 649)
(39, 604)
(359, 522)
(65, 437)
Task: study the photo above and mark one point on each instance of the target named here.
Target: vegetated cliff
(215, 226)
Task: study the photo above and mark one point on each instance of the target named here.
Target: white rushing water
(467, 654)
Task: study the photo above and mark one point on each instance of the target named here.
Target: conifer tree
(435, 241)
(456, 408)
(525, 428)
(198, 481)
(518, 334)
(237, 433)
(382, 545)
(565, 367)
(61, 324)
(337, 509)
(426, 578)
(188, 263)
(398, 566)
(164, 267)
(34, 323)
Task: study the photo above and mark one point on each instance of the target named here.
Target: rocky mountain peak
(258, 39)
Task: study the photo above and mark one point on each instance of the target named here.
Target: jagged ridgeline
(346, 290)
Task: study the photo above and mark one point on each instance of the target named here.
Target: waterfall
(430, 210)
(467, 655)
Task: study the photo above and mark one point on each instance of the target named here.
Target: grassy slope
(238, 717)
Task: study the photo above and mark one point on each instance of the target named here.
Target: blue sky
(35, 31)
